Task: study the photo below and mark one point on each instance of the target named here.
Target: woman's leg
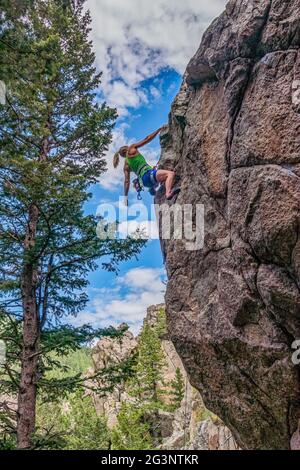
(167, 177)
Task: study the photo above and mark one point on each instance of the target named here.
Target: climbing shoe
(174, 192)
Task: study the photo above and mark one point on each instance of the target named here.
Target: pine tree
(53, 136)
(148, 378)
(72, 424)
(147, 385)
(161, 325)
(132, 432)
(177, 389)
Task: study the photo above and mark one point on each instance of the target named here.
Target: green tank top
(138, 165)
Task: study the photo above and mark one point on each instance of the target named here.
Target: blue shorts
(149, 178)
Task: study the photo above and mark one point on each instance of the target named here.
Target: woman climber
(149, 176)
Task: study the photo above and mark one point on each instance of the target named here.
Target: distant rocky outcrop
(190, 426)
(233, 138)
(108, 352)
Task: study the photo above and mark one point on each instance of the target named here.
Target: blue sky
(142, 48)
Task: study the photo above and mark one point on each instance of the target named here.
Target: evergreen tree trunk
(31, 333)
(157, 436)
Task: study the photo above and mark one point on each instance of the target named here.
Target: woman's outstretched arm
(126, 182)
(147, 139)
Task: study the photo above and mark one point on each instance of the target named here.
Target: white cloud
(142, 278)
(135, 39)
(113, 177)
(111, 306)
(155, 92)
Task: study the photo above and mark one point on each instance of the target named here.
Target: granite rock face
(106, 353)
(233, 138)
(213, 436)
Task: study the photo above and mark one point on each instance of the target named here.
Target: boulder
(233, 139)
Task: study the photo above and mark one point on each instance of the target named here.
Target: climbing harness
(137, 184)
(144, 167)
(138, 187)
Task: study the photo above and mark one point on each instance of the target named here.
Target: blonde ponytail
(116, 159)
(121, 152)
